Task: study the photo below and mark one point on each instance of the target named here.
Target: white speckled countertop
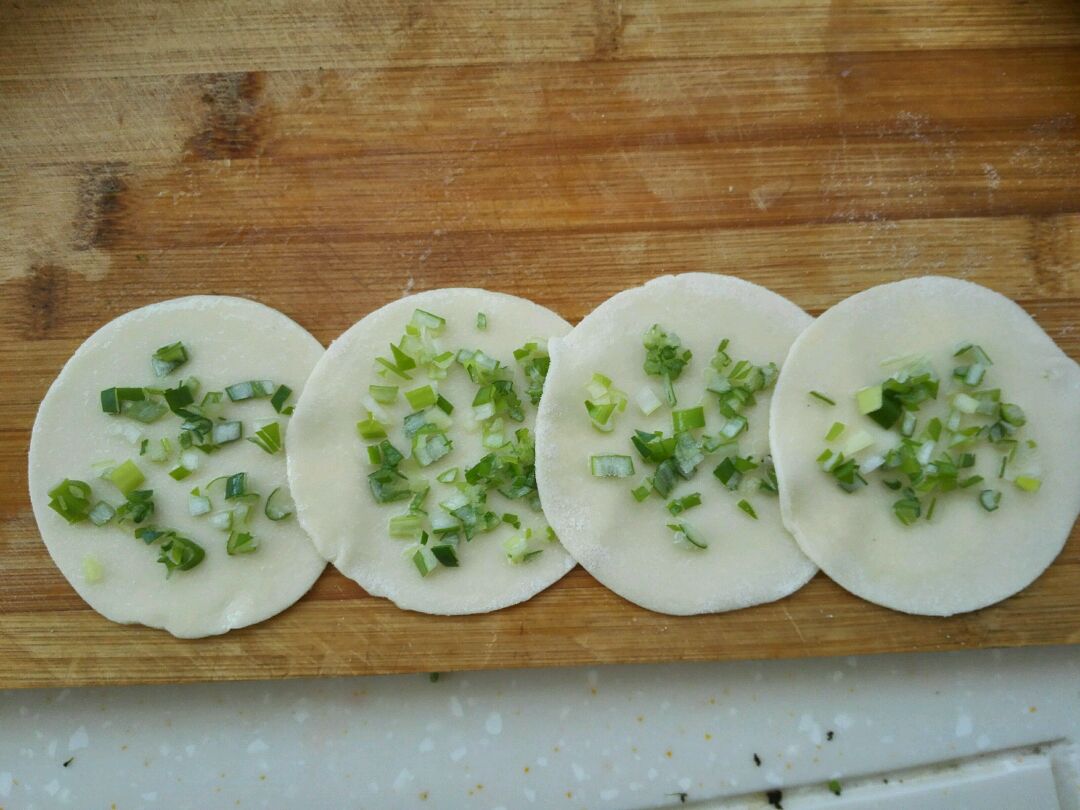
(613, 737)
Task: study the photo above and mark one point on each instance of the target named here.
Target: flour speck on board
(993, 179)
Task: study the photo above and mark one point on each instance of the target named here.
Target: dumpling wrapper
(624, 544)
(229, 340)
(965, 558)
(328, 465)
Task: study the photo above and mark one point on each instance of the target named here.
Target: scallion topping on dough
(687, 536)
(664, 358)
(481, 321)
(276, 510)
(747, 508)
(929, 462)
(267, 438)
(168, 358)
(604, 402)
(71, 500)
(535, 362)
(677, 506)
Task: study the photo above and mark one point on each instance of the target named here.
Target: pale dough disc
(964, 558)
(328, 465)
(229, 340)
(627, 545)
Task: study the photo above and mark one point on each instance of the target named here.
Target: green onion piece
(384, 394)
(835, 431)
(137, 508)
(834, 787)
(448, 476)
(687, 536)
(688, 419)
(101, 513)
(406, 526)
(445, 554)
(71, 500)
(481, 321)
(240, 543)
(180, 554)
(427, 320)
(112, 399)
(1028, 483)
(990, 499)
(908, 509)
(679, 505)
(169, 358)
(179, 472)
(179, 398)
(422, 397)
(733, 427)
(641, 493)
(444, 405)
(1013, 414)
(600, 415)
(126, 477)
(253, 389)
(424, 560)
(965, 404)
(869, 399)
(746, 507)
(930, 510)
(970, 482)
(371, 428)
(611, 466)
(268, 438)
(198, 504)
(92, 570)
(280, 397)
(647, 401)
(278, 511)
(822, 398)
(662, 355)
(225, 432)
(235, 486)
(387, 485)
(512, 520)
(430, 447)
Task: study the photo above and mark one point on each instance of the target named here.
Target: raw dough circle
(624, 544)
(229, 340)
(965, 558)
(328, 466)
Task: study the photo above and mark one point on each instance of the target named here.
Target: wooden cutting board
(328, 156)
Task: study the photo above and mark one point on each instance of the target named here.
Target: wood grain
(326, 157)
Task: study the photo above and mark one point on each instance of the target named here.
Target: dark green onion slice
(280, 397)
(112, 399)
(641, 493)
(137, 508)
(687, 536)
(745, 506)
(444, 405)
(278, 511)
(611, 466)
(235, 486)
(71, 500)
(680, 505)
(907, 509)
(179, 554)
(823, 398)
(168, 358)
(424, 560)
(990, 499)
(252, 389)
(445, 554)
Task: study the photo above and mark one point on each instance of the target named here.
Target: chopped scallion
(611, 466)
(169, 358)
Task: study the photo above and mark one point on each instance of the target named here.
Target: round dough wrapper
(328, 465)
(965, 558)
(228, 340)
(624, 544)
